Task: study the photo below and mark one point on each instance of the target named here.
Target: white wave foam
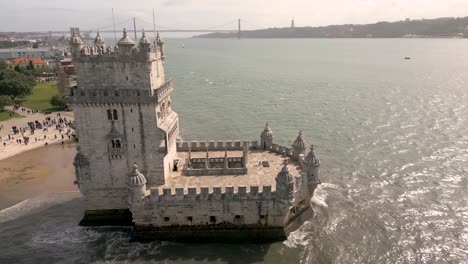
(320, 195)
(59, 235)
(299, 237)
(31, 205)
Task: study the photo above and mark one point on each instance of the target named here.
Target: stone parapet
(92, 54)
(185, 206)
(191, 193)
(212, 145)
(215, 171)
(121, 96)
(164, 90)
(282, 150)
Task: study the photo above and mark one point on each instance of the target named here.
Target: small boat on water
(407, 58)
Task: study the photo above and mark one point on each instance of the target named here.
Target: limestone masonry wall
(201, 208)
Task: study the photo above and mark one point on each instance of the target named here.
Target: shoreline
(30, 147)
(36, 172)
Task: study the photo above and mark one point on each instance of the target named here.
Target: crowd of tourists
(17, 107)
(24, 134)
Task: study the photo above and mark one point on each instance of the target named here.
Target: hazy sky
(31, 15)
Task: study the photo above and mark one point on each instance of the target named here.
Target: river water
(392, 135)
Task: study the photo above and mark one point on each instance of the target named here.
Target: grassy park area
(5, 115)
(40, 97)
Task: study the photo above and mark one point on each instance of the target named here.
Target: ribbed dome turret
(136, 178)
(311, 158)
(267, 133)
(144, 40)
(299, 142)
(75, 40)
(284, 178)
(99, 41)
(125, 40)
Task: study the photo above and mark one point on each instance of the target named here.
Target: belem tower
(133, 169)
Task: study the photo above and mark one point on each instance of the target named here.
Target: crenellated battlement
(212, 145)
(282, 150)
(203, 193)
(115, 57)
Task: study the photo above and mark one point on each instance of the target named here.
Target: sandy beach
(44, 170)
(27, 171)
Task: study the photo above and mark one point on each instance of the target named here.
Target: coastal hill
(439, 27)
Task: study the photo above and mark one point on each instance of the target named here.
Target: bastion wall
(253, 206)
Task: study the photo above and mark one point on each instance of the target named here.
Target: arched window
(113, 144)
(109, 114)
(115, 115)
(117, 144)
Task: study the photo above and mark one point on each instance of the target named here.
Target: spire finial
(124, 32)
(300, 132)
(135, 166)
(285, 167)
(143, 32)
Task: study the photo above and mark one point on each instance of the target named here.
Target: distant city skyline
(33, 15)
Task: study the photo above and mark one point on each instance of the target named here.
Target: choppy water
(392, 135)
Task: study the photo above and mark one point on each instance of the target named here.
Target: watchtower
(123, 115)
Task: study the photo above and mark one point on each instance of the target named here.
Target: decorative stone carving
(82, 167)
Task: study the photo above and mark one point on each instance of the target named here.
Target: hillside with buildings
(440, 27)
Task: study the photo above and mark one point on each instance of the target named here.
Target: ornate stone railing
(215, 145)
(109, 96)
(164, 90)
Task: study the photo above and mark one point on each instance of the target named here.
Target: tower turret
(125, 44)
(144, 42)
(160, 44)
(76, 45)
(136, 186)
(312, 164)
(99, 41)
(299, 146)
(285, 184)
(266, 138)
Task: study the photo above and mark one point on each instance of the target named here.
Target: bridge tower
(239, 28)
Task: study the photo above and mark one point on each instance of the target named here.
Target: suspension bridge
(138, 24)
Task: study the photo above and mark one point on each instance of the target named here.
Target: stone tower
(136, 187)
(299, 146)
(285, 183)
(312, 165)
(266, 138)
(123, 116)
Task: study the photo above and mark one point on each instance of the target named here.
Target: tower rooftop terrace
(257, 174)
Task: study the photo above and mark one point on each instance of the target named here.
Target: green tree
(4, 101)
(31, 66)
(58, 101)
(15, 84)
(3, 65)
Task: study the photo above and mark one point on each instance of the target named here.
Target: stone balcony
(118, 96)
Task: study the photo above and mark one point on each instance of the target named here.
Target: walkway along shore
(52, 131)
